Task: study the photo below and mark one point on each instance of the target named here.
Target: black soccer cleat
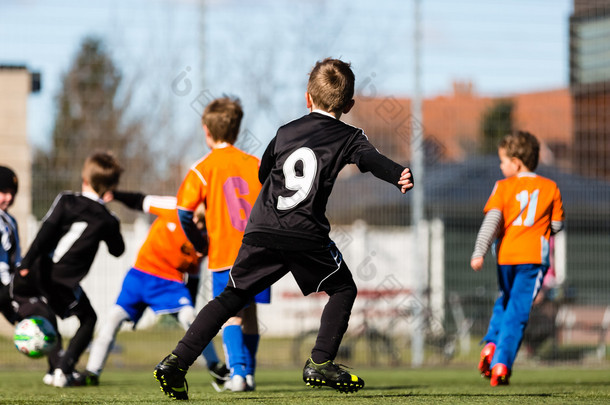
(86, 379)
(329, 374)
(172, 378)
(92, 380)
(220, 372)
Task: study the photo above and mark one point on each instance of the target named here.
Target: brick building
(590, 86)
(452, 123)
(16, 83)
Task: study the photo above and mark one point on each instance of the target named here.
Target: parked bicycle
(383, 336)
(363, 343)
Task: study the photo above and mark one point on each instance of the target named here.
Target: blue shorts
(220, 279)
(141, 290)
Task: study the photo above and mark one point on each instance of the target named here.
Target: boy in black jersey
(288, 231)
(62, 253)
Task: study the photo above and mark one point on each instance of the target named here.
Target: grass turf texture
(383, 386)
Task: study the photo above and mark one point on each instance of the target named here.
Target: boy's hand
(476, 263)
(405, 181)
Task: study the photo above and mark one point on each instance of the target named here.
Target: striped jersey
(10, 250)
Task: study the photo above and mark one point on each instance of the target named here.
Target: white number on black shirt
(66, 241)
(301, 184)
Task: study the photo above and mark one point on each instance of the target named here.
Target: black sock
(333, 324)
(207, 324)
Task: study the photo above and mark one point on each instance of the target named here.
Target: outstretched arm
(386, 169)
(153, 204)
(135, 201)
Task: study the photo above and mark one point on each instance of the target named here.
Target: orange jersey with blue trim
(226, 181)
(166, 252)
(528, 203)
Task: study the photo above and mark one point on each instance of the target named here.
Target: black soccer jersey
(70, 235)
(298, 171)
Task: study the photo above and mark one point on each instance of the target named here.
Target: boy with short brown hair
(226, 181)
(289, 232)
(62, 253)
(222, 118)
(523, 211)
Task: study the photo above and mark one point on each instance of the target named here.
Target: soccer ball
(35, 336)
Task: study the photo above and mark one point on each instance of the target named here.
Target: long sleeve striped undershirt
(487, 233)
(489, 230)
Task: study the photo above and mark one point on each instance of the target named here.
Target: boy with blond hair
(289, 232)
(523, 211)
(62, 253)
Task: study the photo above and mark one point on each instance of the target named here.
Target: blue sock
(210, 356)
(251, 344)
(233, 341)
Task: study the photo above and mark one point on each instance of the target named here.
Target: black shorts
(34, 306)
(64, 300)
(257, 268)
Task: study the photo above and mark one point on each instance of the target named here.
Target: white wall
(377, 257)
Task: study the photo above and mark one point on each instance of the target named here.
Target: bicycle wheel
(368, 348)
(382, 349)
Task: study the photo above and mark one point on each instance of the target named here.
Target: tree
(91, 113)
(495, 124)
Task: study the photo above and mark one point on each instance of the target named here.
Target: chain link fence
(372, 220)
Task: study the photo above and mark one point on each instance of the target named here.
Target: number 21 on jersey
(527, 202)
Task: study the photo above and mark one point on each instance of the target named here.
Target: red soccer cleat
(499, 375)
(486, 355)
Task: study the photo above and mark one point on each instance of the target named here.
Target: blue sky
(262, 50)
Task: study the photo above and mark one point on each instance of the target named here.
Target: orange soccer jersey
(529, 203)
(226, 180)
(166, 252)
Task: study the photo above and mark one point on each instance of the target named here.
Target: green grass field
(284, 386)
(128, 379)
